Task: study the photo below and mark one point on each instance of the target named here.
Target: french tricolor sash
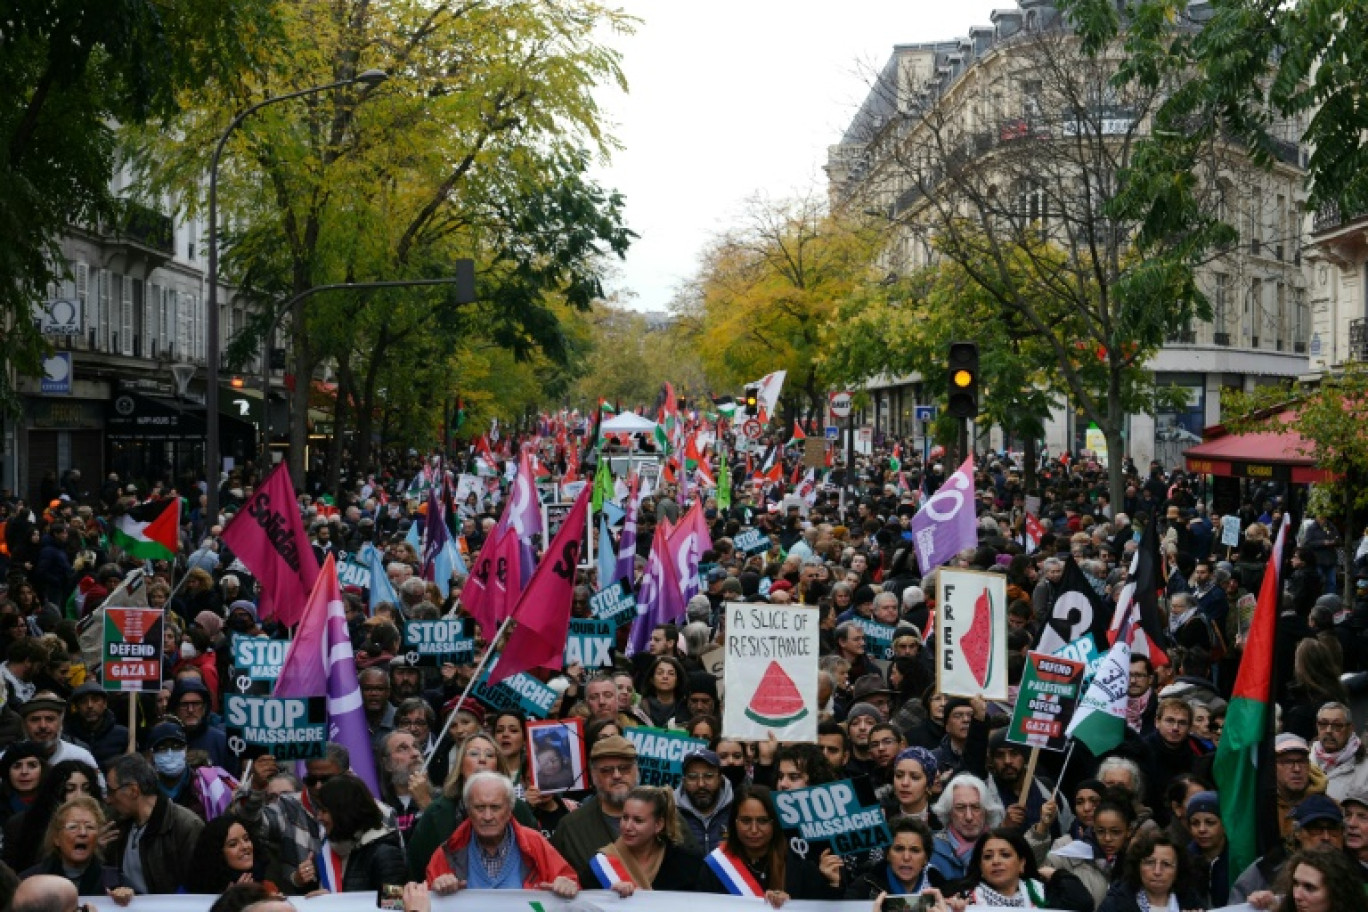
(733, 873)
(330, 868)
(609, 871)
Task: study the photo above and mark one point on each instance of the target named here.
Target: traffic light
(963, 379)
(752, 400)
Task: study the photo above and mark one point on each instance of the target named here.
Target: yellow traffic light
(963, 378)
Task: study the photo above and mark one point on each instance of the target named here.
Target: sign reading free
(833, 812)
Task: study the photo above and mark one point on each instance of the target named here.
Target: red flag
(798, 431)
(543, 612)
(797, 475)
(267, 535)
(505, 582)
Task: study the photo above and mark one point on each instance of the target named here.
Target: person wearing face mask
(196, 651)
(190, 703)
(166, 745)
(242, 619)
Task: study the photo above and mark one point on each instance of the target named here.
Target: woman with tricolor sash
(755, 859)
(647, 855)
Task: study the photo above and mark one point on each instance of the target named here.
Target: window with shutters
(126, 315)
(81, 271)
(139, 318)
(164, 331)
(102, 311)
(151, 312)
(182, 327)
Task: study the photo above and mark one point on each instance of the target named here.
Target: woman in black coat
(370, 854)
(1156, 869)
(906, 867)
(648, 854)
(226, 854)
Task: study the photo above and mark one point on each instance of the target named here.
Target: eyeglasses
(414, 723)
(615, 769)
(197, 705)
(1139, 676)
(700, 777)
(1293, 761)
(313, 781)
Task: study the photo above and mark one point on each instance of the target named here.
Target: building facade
(982, 128)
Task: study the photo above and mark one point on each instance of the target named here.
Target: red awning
(1266, 455)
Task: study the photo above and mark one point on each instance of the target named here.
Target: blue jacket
(943, 859)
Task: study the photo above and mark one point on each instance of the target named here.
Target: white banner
(971, 626)
(522, 901)
(770, 672)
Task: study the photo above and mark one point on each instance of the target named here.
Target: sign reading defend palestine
(835, 814)
(770, 672)
(131, 651)
(288, 728)
(661, 753)
(1045, 701)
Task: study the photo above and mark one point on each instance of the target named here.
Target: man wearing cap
(1317, 823)
(703, 798)
(1339, 753)
(594, 824)
(190, 703)
(870, 689)
(1355, 809)
(1295, 776)
(95, 724)
(42, 723)
(156, 836)
(167, 751)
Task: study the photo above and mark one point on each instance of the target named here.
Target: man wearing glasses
(190, 703)
(1339, 753)
(156, 836)
(703, 798)
(594, 824)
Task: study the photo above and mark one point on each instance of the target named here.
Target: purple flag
(688, 541)
(524, 509)
(944, 526)
(658, 599)
(435, 535)
(320, 662)
(626, 560)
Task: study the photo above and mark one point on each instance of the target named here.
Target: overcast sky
(733, 98)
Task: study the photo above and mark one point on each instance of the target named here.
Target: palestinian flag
(798, 435)
(150, 531)
(1240, 753)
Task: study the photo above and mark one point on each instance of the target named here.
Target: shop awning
(1266, 455)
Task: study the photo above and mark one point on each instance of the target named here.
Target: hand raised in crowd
(447, 884)
(264, 769)
(768, 748)
(1262, 899)
(980, 706)
(831, 867)
(1049, 813)
(420, 788)
(304, 874)
(1015, 816)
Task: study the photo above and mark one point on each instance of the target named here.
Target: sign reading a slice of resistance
(287, 728)
(131, 657)
(437, 643)
(833, 813)
(770, 672)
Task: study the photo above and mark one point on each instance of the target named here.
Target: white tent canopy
(628, 423)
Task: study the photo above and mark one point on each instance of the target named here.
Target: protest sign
(814, 453)
(520, 691)
(1084, 649)
(132, 649)
(590, 643)
(256, 663)
(752, 542)
(971, 625)
(287, 728)
(615, 603)
(661, 753)
(353, 573)
(1230, 531)
(834, 813)
(878, 637)
(556, 756)
(771, 672)
(436, 643)
(1045, 701)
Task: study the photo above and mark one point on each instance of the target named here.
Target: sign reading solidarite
(436, 643)
(770, 672)
(1045, 701)
(661, 753)
(833, 812)
(287, 728)
(971, 626)
(132, 649)
(615, 603)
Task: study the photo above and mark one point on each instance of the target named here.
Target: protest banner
(517, 901)
(971, 625)
(771, 672)
(1230, 531)
(353, 573)
(661, 753)
(878, 637)
(590, 643)
(752, 542)
(287, 728)
(616, 603)
(131, 653)
(436, 643)
(556, 756)
(1045, 701)
(520, 691)
(834, 812)
(258, 658)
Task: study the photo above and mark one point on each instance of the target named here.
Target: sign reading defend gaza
(1045, 701)
(131, 657)
(770, 672)
(971, 627)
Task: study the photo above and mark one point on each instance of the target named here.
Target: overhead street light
(213, 457)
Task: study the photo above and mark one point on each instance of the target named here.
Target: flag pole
(1063, 767)
(470, 685)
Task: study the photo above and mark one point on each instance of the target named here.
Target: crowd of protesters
(1135, 830)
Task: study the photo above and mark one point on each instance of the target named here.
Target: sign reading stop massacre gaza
(833, 812)
(287, 728)
(132, 649)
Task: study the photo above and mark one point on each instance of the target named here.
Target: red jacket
(541, 863)
(207, 663)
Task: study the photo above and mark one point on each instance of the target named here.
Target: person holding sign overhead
(755, 858)
(647, 855)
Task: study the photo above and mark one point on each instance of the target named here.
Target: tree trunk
(304, 363)
(1112, 426)
(345, 385)
(1030, 456)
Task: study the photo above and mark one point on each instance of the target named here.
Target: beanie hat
(244, 605)
(865, 709)
(210, 623)
(1204, 802)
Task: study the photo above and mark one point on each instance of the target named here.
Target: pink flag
(543, 612)
(320, 662)
(524, 509)
(658, 595)
(475, 592)
(688, 541)
(268, 537)
(505, 582)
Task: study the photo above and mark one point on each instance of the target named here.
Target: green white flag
(1100, 720)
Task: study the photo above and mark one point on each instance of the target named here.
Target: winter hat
(1205, 803)
(865, 709)
(210, 622)
(244, 605)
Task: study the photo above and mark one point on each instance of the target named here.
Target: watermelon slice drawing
(777, 701)
(977, 643)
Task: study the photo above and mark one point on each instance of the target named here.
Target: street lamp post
(212, 450)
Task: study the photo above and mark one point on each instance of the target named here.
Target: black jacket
(1121, 898)
(375, 862)
(106, 740)
(876, 881)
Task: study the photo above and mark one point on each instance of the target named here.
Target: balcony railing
(146, 226)
(1329, 217)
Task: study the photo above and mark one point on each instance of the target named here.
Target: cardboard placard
(590, 643)
(971, 632)
(287, 728)
(833, 813)
(131, 651)
(770, 670)
(1045, 702)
